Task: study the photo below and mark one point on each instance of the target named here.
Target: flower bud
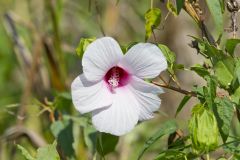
(203, 130)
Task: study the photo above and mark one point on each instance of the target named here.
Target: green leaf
(200, 70)
(63, 101)
(62, 131)
(236, 77)
(224, 71)
(171, 8)
(236, 155)
(171, 60)
(106, 143)
(125, 48)
(25, 153)
(176, 154)
(210, 92)
(171, 155)
(152, 20)
(200, 93)
(168, 54)
(166, 128)
(180, 4)
(236, 96)
(208, 50)
(90, 138)
(89, 133)
(222, 3)
(232, 147)
(57, 127)
(238, 113)
(216, 12)
(178, 67)
(48, 153)
(131, 45)
(207, 94)
(224, 112)
(231, 45)
(237, 70)
(182, 104)
(84, 42)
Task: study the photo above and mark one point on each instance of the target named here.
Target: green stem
(151, 4)
(224, 144)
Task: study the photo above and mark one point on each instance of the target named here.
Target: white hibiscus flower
(112, 86)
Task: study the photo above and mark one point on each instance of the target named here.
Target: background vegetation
(38, 61)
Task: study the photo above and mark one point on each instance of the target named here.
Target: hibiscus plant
(102, 109)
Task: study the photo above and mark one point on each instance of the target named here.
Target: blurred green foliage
(38, 41)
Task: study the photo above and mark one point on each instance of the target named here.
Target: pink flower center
(116, 77)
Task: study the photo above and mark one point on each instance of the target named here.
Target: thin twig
(47, 108)
(22, 53)
(190, 93)
(165, 19)
(17, 132)
(154, 36)
(234, 24)
(163, 80)
(229, 158)
(233, 7)
(194, 12)
(174, 80)
(16, 18)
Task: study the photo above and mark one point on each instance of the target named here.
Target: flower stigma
(116, 77)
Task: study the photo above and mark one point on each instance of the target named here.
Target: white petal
(121, 116)
(143, 86)
(99, 57)
(88, 96)
(146, 95)
(144, 60)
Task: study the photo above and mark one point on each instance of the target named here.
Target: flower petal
(144, 86)
(88, 96)
(121, 116)
(99, 57)
(144, 60)
(146, 94)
